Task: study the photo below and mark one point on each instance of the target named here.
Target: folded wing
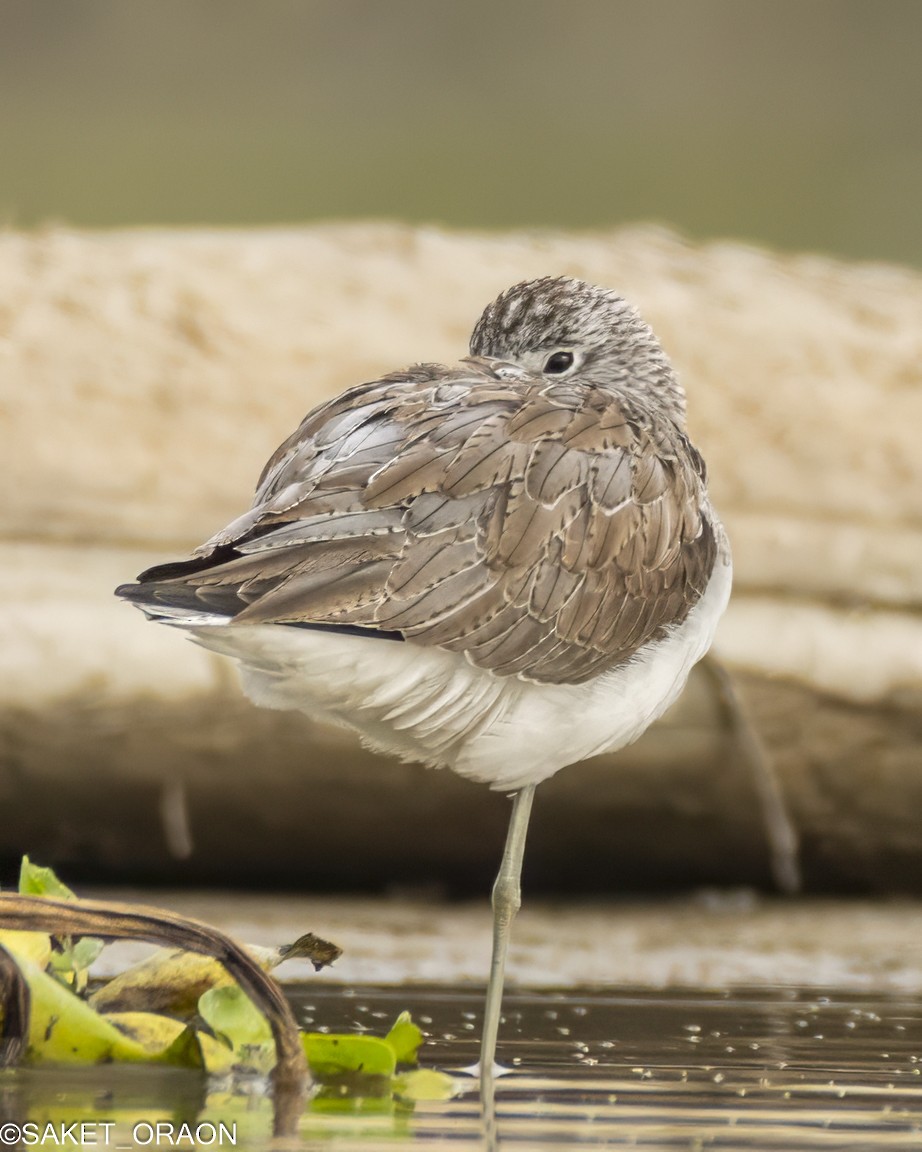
(534, 527)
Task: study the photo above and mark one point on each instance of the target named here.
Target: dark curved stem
(15, 1006)
(130, 922)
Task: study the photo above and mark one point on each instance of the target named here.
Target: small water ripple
(766, 1070)
(744, 1071)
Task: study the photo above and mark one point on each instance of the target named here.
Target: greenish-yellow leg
(507, 899)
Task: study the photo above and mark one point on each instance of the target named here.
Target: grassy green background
(797, 123)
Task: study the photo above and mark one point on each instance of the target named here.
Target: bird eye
(559, 362)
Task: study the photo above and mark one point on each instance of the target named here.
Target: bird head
(561, 328)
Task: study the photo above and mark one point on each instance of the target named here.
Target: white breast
(433, 706)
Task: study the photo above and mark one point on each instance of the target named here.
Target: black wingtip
(141, 592)
(133, 592)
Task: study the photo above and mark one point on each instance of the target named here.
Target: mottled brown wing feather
(541, 529)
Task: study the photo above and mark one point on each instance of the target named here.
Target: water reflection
(766, 1070)
(763, 1070)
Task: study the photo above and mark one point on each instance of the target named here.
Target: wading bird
(501, 567)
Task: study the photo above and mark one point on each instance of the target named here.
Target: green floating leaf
(71, 958)
(76, 960)
(169, 981)
(37, 881)
(32, 946)
(232, 1016)
(331, 1101)
(173, 981)
(424, 1084)
(230, 1012)
(170, 1040)
(333, 1057)
(188, 1050)
(405, 1038)
(86, 951)
(63, 1029)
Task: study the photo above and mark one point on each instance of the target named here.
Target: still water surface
(761, 1070)
(766, 1070)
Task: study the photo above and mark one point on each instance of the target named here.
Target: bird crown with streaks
(533, 323)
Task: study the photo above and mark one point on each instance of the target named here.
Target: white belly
(432, 706)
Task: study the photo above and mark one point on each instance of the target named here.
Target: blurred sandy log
(146, 375)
